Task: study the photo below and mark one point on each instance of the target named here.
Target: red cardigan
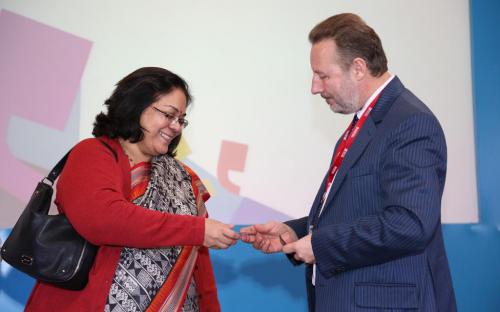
(92, 191)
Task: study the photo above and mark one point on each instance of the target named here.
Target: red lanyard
(349, 137)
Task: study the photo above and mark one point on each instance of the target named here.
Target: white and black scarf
(141, 272)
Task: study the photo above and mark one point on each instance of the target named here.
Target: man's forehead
(325, 44)
(323, 52)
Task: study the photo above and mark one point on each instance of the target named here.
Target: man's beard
(348, 101)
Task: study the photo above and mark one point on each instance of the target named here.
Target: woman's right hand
(219, 235)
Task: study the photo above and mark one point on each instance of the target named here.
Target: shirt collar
(374, 94)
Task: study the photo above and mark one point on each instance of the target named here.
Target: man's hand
(219, 235)
(302, 249)
(268, 237)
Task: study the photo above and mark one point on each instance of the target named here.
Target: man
(373, 238)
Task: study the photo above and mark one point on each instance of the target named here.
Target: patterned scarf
(141, 272)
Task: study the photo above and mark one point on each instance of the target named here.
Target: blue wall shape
(249, 281)
(474, 249)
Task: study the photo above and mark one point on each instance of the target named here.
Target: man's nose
(316, 86)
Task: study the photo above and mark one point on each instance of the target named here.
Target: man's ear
(359, 68)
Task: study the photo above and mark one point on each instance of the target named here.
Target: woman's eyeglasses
(171, 118)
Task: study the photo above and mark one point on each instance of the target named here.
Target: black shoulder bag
(47, 247)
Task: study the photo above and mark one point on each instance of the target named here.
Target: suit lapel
(387, 97)
(364, 137)
(317, 201)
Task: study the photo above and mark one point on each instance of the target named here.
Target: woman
(124, 192)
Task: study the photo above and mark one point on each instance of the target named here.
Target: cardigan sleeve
(205, 282)
(91, 191)
(203, 273)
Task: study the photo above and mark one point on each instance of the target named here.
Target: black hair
(132, 95)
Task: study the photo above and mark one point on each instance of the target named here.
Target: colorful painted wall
(257, 137)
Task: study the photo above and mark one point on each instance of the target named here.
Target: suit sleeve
(411, 177)
(299, 226)
(90, 192)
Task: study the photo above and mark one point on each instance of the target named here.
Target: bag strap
(54, 173)
(110, 148)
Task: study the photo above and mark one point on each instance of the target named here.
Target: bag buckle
(27, 260)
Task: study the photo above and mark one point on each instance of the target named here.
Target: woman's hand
(219, 235)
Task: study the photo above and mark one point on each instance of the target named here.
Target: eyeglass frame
(183, 122)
